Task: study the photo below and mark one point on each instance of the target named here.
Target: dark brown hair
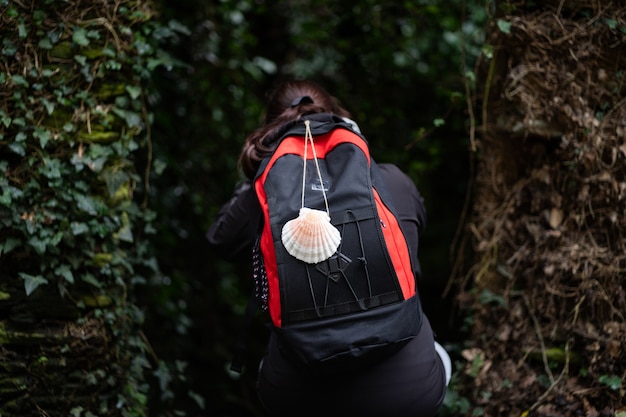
(289, 102)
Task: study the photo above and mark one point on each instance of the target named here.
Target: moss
(99, 137)
(97, 301)
(62, 50)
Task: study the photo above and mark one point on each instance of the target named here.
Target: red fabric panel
(398, 250)
(269, 255)
(323, 145)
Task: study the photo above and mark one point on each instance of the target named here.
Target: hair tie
(301, 100)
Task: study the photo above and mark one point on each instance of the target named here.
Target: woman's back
(412, 382)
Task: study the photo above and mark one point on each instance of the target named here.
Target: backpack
(355, 299)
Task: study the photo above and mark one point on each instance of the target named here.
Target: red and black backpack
(360, 302)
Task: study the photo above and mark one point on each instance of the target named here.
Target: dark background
(397, 66)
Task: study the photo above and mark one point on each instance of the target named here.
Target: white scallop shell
(311, 237)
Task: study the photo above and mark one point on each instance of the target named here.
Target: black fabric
(409, 383)
(235, 228)
(345, 342)
(409, 205)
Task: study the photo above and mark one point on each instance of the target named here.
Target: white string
(309, 137)
(306, 141)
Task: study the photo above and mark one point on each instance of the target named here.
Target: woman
(413, 381)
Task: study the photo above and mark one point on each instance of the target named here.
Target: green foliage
(504, 26)
(455, 405)
(73, 138)
(614, 382)
(487, 297)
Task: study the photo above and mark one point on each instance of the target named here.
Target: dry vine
(549, 214)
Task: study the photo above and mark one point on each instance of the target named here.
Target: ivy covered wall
(74, 225)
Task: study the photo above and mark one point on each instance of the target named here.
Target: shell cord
(308, 137)
(306, 142)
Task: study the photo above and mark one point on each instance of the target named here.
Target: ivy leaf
(81, 59)
(19, 121)
(125, 233)
(613, 381)
(32, 282)
(487, 50)
(56, 238)
(159, 166)
(133, 92)
(8, 48)
(51, 168)
(109, 51)
(611, 23)
(153, 63)
(198, 399)
(265, 64)
(93, 34)
(65, 272)
(90, 279)
(76, 411)
(22, 30)
(38, 244)
(9, 193)
(39, 16)
(12, 12)
(43, 135)
(87, 204)
(176, 26)
(48, 105)
(6, 120)
(78, 228)
(487, 297)
(132, 119)
(19, 80)
(5, 200)
(504, 26)
(9, 244)
(45, 43)
(80, 37)
(18, 148)
(114, 181)
(95, 164)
